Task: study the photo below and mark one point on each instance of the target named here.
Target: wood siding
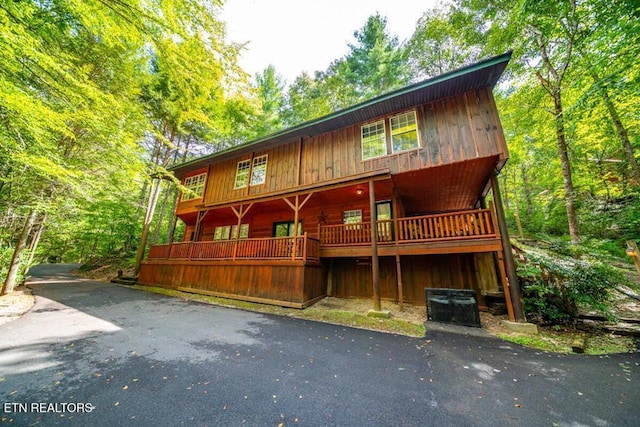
(292, 284)
(352, 276)
(450, 130)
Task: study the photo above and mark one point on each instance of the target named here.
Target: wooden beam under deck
(424, 248)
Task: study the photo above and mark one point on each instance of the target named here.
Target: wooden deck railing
(282, 248)
(472, 224)
(449, 226)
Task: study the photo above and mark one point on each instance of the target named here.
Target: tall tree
(270, 92)
(442, 41)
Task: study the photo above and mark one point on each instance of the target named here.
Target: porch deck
(458, 232)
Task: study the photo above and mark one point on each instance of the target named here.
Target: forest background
(99, 97)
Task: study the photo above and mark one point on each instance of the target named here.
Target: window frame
(222, 230)
(195, 183)
(259, 163)
(244, 231)
(384, 139)
(289, 225)
(241, 167)
(392, 134)
(346, 215)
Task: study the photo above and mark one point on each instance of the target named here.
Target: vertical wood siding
(450, 130)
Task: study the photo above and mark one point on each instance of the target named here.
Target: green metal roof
(481, 74)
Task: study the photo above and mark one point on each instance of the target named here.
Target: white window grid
(242, 174)
(404, 132)
(374, 141)
(259, 170)
(196, 185)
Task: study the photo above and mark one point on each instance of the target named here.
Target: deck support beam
(375, 265)
(512, 277)
(296, 218)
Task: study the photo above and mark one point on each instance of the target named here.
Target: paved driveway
(134, 358)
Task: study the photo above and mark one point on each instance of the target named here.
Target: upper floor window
(258, 171)
(404, 131)
(242, 174)
(404, 135)
(374, 142)
(196, 185)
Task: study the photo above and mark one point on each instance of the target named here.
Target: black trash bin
(458, 306)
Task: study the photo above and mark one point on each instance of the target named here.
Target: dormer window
(196, 185)
(403, 131)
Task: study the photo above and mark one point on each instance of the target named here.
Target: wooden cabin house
(382, 199)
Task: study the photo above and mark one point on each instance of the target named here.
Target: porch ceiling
(440, 189)
(445, 188)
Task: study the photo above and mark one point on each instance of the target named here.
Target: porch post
(514, 286)
(395, 238)
(198, 231)
(375, 266)
(296, 218)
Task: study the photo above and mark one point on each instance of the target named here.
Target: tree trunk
(154, 192)
(569, 192)
(14, 266)
(163, 209)
(36, 240)
(622, 133)
(527, 192)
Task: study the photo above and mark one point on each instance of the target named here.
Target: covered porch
(437, 212)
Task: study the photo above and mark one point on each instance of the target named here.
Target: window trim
(200, 182)
(256, 165)
(230, 232)
(415, 121)
(234, 231)
(388, 136)
(223, 228)
(290, 225)
(347, 214)
(384, 139)
(245, 181)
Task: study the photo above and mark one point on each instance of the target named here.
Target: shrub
(554, 290)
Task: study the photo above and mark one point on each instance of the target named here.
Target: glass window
(259, 170)
(222, 232)
(285, 229)
(352, 217)
(242, 174)
(404, 132)
(374, 142)
(244, 231)
(196, 185)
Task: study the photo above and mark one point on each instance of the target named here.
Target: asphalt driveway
(91, 353)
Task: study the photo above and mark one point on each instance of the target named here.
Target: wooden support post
(399, 279)
(375, 266)
(396, 215)
(330, 278)
(198, 231)
(239, 214)
(509, 264)
(296, 212)
(296, 218)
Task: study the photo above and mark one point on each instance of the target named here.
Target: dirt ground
(15, 304)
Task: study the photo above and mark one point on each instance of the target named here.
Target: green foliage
(375, 64)
(556, 290)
